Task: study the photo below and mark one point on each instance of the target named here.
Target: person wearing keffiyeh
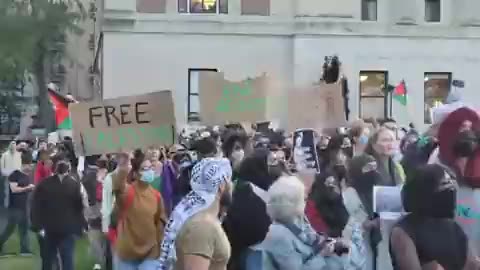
(194, 238)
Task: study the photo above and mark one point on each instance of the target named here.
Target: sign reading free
(124, 123)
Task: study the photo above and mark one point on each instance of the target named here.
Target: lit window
(436, 89)
(432, 10)
(373, 101)
(369, 10)
(203, 6)
(193, 102)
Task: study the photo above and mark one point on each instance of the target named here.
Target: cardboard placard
(223, 101)
(121, 124)
(318, 106)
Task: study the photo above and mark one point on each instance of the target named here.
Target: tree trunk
(45, 110)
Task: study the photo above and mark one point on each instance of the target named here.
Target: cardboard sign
(124, 123)
(223, 101)
(319, 106)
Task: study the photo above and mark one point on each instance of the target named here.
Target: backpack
(118, 216)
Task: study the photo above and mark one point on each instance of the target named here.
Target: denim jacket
(283, 250)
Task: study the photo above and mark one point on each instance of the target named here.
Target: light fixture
(426, 79)
(363, 78)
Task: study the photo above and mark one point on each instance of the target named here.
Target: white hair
(286, 199)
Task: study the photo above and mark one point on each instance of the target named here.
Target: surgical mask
(238, 155)
(363, 140)
(148, 176)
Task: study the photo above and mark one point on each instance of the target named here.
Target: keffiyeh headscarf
(207, 177)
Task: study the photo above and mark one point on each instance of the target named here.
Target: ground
(82, 259)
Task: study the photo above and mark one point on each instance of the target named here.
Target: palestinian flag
(400, 93)
(60, 105)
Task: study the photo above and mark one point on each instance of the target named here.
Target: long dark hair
(333, 211)
(136, 162)
(254, 169)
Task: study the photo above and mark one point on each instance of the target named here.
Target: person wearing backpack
(140, 218)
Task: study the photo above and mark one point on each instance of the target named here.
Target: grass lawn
(83, 260)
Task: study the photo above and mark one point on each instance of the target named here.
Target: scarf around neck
(207, 177)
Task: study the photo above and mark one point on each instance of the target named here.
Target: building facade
(148, 45)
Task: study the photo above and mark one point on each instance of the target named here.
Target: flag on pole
(60, 106)
(400, 93)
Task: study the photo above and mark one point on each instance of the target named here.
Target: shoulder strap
(157, 195)
(128, 202)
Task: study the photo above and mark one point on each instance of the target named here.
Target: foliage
(30, 28)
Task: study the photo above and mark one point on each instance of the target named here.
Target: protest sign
(318, 106)
(223, 101)
(124, 123)
(387, 201)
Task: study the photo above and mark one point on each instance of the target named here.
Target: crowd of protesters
(227, 198)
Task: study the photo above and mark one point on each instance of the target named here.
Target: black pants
(17, 218)
(108, 256)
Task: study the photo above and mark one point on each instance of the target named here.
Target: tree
(30, 28)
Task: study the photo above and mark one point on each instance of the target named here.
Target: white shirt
(108, 200)
(10, 162)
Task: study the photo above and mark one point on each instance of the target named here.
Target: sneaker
(97, 267)
(26, 254)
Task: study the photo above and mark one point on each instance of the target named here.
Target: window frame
(387, 97)
(363, 15)
(189, 92)
(425, 74)
(189, 6)
(439, 14)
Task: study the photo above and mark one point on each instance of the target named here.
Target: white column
(235, 7)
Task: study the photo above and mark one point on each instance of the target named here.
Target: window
(369, 10)
(256, 7)
(203, 6)
(436, 90)
(193, 101)
(373, 100)
(432, 10)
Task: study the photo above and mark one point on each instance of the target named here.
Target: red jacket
(315, 218)
(41, 172)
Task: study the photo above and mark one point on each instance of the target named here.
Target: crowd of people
(228, 198)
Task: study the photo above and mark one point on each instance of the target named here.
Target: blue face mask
(148, 176)
(363, 140)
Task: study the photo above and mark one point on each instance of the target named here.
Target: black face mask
(466, 144)
(275, 171)
(444, 203)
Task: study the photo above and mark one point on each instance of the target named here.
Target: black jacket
(57, 206)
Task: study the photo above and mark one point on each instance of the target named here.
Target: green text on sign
(118, 138)
(239, 99)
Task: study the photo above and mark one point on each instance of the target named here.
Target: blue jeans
(148, 264)
(17, 217)
(62, 245)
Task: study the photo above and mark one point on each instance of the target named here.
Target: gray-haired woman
(291, 243)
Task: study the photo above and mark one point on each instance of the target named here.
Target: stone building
(147, 45)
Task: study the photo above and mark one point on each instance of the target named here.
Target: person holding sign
(141, 216)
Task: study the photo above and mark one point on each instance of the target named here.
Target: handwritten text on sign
(123, 123)
(238, 98)
(223, 101)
